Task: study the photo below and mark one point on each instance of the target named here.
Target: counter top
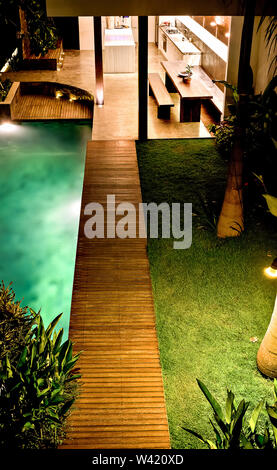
(184, 46)
(211, 41)
(119, 37)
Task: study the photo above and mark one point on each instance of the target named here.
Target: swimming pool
(41, 177)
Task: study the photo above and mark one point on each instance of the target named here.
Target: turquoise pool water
(41, 176)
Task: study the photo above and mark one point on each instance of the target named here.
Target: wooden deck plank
(121, 404)
(36, 107)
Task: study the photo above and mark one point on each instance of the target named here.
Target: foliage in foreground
(42, 31)
(261, 134)
(5, 86)
(233, 431)
(38, 382)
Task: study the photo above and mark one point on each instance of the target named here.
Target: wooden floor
(112, 320)
(35, 107)
(79, 70)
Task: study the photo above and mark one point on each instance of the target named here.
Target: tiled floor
(118, 118)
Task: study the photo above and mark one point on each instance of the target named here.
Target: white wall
(86, 30)
(151, 28)
(260, 61)
(86, 33)
(259, 55)
(234, 49)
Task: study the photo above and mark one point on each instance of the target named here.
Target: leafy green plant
(260, 135)
(37, 388)
(231, 428)
(270, 200)
(42, 31)
(261, 116)
(15, 322)
(5, 86)
(189, 71)
(208, 213)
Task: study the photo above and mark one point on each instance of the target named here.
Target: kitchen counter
(119, 51)
(119, 37)
(179, 40)
(217, 46)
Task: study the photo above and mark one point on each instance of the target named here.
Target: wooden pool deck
(36, 107)
(121, 404)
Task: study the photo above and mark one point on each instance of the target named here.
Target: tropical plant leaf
(272, 413)
(22, 358)
(64, 409)
(202, 439)
(255, 416)
(52, 325)
(229, 406)
(217, 435)
(271, 203)
(213, 402)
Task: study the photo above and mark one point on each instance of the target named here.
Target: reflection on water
(41, 175)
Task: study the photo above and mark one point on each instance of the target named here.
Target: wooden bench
(158, 90)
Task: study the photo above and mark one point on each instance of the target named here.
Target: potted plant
(187, 74)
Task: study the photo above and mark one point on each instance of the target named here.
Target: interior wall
(86, 32)
(151, 28)
(86, 35)
(233, 54)
(260, 60)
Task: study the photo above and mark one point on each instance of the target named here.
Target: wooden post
(98, 55)
(143, 77)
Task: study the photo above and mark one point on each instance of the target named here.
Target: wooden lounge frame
(158, 89)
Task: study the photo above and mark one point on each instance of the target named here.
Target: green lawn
(211, 298)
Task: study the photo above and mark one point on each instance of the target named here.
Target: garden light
(267, 354)
(7, 127)
(271, 271)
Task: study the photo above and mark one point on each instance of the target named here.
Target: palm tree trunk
(25, 35)
(230, 223)
(267, 354)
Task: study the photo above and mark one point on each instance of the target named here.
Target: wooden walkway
(112, 320)
(35, 107)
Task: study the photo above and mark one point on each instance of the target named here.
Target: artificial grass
(209, 299)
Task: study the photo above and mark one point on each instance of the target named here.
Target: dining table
(192, 92)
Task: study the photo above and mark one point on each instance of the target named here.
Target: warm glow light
(99, 96)
(213, 23)
(219, 20)
(58, 94)
(72, 98)
(270, 272)
(227, 35)
(8, 127)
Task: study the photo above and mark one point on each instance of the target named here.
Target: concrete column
(98, 54)
(143, 77)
